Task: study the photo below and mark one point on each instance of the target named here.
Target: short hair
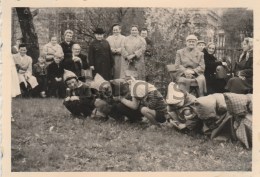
(22, 45)
(116, 24)
(53, 37)
(249, 42)
(68, 31)
(144, 29)
(135, 26)
(75, 45)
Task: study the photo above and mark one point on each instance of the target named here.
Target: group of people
(197, 67)
(112, 58)
(118, 89)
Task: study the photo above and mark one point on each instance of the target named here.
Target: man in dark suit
(76, 62)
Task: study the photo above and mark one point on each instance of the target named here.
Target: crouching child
(79, 99)
(146, 100)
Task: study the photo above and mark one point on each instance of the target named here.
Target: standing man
(100, 56)
(116, 41)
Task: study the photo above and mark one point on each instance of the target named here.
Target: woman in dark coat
(67, 44)
(243, 71)
(100, 56)
(214, 85)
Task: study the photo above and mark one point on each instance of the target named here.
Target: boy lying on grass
(79, 99)
(220, 116)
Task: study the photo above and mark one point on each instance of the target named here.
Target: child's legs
(73, 107)
(61, 89)
(133, 115)
(53, 88)
(152, 115)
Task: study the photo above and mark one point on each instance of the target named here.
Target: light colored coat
(49, 49)
(116, 42)
(194, 60)
(25, 71)
(135, 45)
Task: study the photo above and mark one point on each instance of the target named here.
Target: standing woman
(243, 80)
(51, 49)
(100, 56)
(211, 63)
(116, 41)
(133, 53)
(68, 43)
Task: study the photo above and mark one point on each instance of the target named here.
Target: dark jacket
(211, 64)
(55, 70)
(100, 56)
(67, 48)
(39, 71)
(75, 67)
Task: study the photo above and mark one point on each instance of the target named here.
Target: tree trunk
(30, 37)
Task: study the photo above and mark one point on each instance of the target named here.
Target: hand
(224, 63)
(26, 75)
(58, 79)
(242, 77)
(117, 98)
(76, 59)
(74, 98)
(189, 73)
(92, 67)
(130, 57)
(67, 99)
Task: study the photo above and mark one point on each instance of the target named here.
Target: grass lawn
(45, 138)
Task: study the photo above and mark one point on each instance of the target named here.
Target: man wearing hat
(100, 56)
(190, 65)
(201, 45)
(79, 99)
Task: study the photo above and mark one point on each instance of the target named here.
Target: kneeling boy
(79, 99)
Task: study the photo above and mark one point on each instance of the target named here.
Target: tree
(237, 24)
(30, 38)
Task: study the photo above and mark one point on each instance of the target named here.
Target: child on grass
(79, 99)
(40, 72)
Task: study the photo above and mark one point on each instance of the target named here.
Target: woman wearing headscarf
(133, 54)
(116, 41)
(211, 63)
(243, 70)
(190, 67)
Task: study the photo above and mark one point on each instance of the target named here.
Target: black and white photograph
(131, 89)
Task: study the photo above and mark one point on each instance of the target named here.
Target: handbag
(131, 71)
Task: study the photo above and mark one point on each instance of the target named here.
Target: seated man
(190, 65)
(23, 64)
(76, 62)
(79, 99)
